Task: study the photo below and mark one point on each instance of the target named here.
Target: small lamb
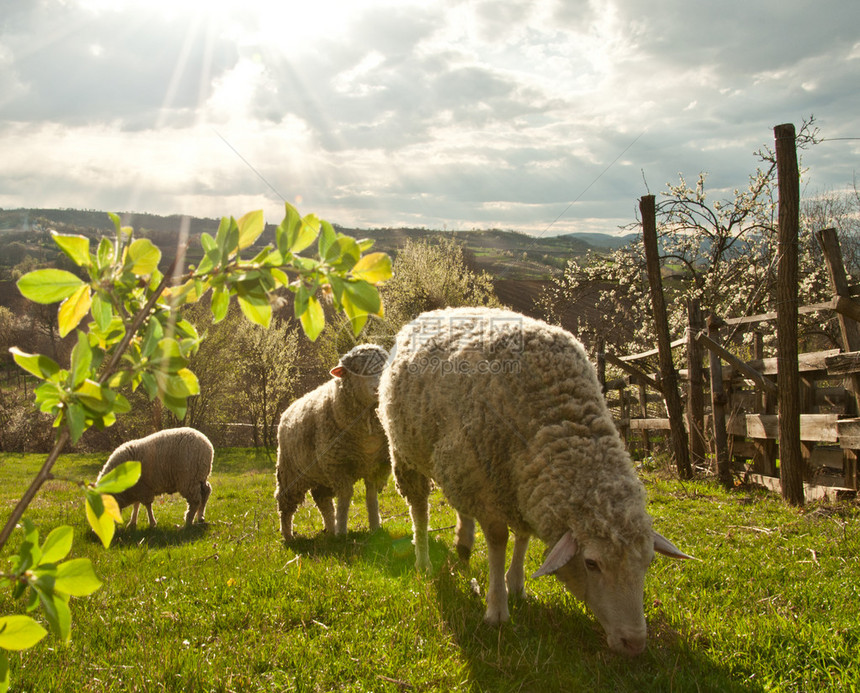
(506, 415)
(175, 460)
(330, 438)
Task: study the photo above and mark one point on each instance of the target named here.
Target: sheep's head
(361, 368)
(610, 581)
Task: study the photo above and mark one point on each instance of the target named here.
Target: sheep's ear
(564, 549)
(667, 548)
(338, 371)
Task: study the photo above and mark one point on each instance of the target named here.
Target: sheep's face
(613, 589)
(366, 388)
(360, 371)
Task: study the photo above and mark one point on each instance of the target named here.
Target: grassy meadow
(773, 604)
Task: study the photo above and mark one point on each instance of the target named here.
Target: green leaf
(144, 256)
(250, 225)
(101, 311)
(177, 405)
(119, 478)
(343, 254)
(294, 234)
(373, 268)
(29, 553)
(337, 288)
(105, 252)
(153, 335)
(300, 305)
(93, 396)
(327, 238)
(76, 247)
(57, 545)
(76, 578)
(101, 522)
(258, 310)
(82, 360)
(39, 365)
(117, 222)
(313, 319)
(48, 285)
(212, 255)
(363, 296)
(181, 385)
(357, 316)
(73, 309)
(227, 238)
(19, 632)
(57, 612)
(76, 420)
(168, 358)
(220, 304)
(280, 277)
(48, 395)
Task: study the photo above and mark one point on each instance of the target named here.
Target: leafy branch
(135, 337)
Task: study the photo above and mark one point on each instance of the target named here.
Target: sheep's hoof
(423, 566)
(495, 617)
(464, 553)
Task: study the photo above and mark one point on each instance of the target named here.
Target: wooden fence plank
(726, 355)
(815, 428)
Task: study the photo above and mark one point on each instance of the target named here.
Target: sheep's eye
(591, 564)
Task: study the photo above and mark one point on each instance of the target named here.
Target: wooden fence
(743, 397)
(794, 415)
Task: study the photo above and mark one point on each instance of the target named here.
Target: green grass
(772, 605)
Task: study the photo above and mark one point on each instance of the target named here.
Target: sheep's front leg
(372, 501)
(415, 487)
(190, 512)
(465, 536)
(323, 498)
(344, 498)
(516, 576)
(152, 522)
(132, 523)
(496, 534)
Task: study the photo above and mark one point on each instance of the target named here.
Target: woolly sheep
(506, 415)
(330, 438)
(173, 460)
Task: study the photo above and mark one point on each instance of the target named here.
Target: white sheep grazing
(506, 415)
(175, 460)
(329, 439)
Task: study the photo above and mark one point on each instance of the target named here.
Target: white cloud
(469, 113)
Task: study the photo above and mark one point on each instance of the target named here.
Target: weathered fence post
(850, 339)
(695, 389)
(850, 330)
(718, 406)
(668, 377)
(788, 377)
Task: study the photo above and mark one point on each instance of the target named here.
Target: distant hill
(520, 265)
(504, 254)
(602, 240)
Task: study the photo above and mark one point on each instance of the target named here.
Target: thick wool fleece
(331, 437)
(175, 460)
(506, 415)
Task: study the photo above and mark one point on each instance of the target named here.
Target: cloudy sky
(545, 116)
